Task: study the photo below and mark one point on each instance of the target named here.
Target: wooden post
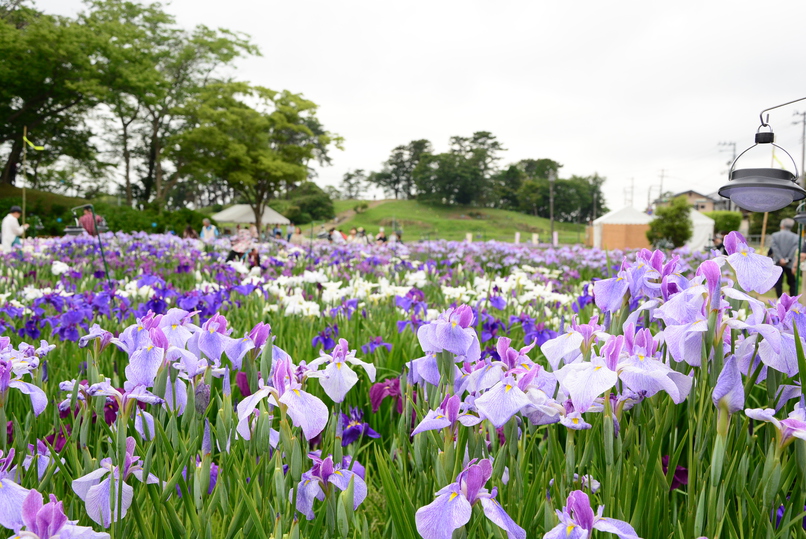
(764, 231)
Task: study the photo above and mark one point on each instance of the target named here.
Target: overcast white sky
(626, 88)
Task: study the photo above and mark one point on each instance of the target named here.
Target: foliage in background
(671, 224)
(773, 219)
(258, 151)
(305, 203)
(725, 221)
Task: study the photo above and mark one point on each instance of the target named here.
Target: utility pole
(552, 178)
(662, 174)
(802, 146)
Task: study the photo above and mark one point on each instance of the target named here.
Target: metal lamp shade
(762, 189)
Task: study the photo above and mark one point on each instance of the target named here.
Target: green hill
(420, 221)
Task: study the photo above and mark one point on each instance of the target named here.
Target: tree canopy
(123, 95)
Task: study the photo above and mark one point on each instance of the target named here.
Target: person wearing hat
(11, 229)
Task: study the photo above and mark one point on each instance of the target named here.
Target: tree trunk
(127, 162)
(10, 169)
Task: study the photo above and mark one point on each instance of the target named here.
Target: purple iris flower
(326, 338)
(386, 388)
(375, 343)
(48, 520)
(95, 487)
(755, 273)
(453, 332)
(96, 332)
(577, 521)
(453, 506)
(325, 475)
(680, 476)
(12, 495)
(353, 427)
(728, 395)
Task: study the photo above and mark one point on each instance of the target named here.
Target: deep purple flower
(680, 477)
(387, 388)
(353, 427)
(375, 343)
(326, 338)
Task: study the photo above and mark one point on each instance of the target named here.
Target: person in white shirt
(209, 232)
(11, 229)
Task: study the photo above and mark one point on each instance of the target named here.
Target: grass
(41, 198)
(420, 221)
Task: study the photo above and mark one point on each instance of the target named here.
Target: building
(698, 201)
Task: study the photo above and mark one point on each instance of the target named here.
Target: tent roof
(697, 217)
(625, 216)
(242, 213)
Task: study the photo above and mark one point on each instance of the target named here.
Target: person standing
(209, 232)
(89, 223)
(11, 229)
(784, 247)
(289, 231)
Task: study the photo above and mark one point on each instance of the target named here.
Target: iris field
(441, 390)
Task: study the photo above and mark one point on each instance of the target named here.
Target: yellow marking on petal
(453, 324)
(440, 417)
(1, 484)
(296, 391)
(139, 328)
(174, 326)
(620, 279)
(338, 365)
(212, 331)
(526, 366)
(575, 421)
(597, 368)
(453, 495)
(640, 357)
(149, 347)
(569, 529)
(744, 253)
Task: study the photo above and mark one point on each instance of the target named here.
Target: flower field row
(439, 390)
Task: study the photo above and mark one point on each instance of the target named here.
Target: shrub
(672, 223)
(725, 221)
(361, 207)
(304, 204)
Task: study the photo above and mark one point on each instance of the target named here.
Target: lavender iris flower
(12, 495)
(353, 427)
(38, 398)
(48, 521)
(337, 377)
(448, 413)
(755, 273)
(787, 429)
(305, 410)
(95, 489)
(453, 332)
(325, 475)
(577, 521)
(453, 506)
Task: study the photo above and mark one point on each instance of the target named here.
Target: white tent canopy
(625, 216)
(703, 231)
(242, 213)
